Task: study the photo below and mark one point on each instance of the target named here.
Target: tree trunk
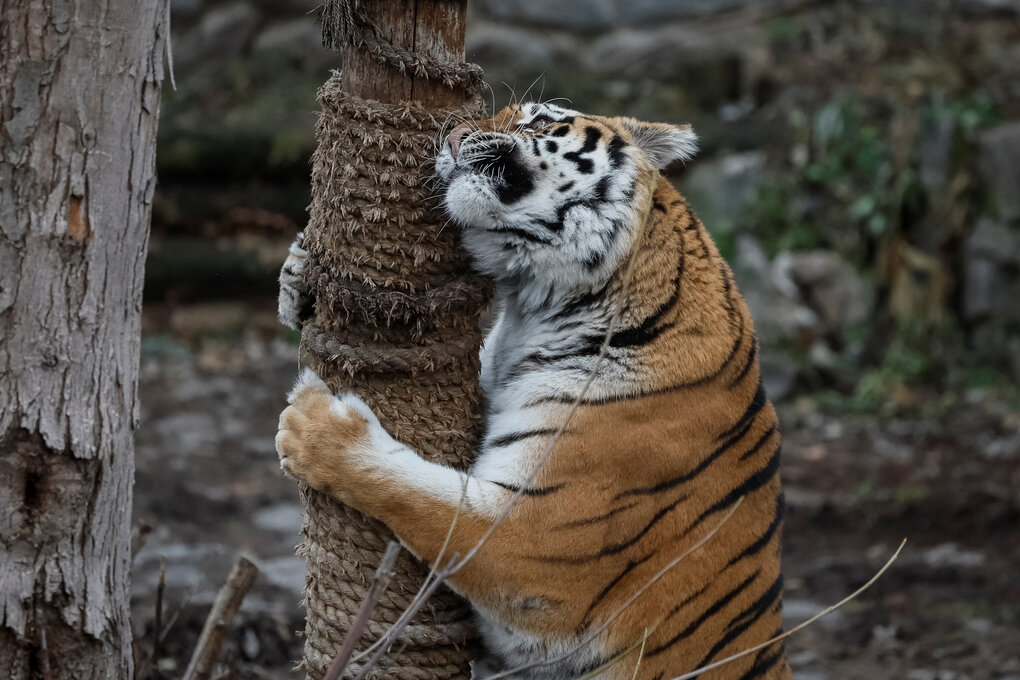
(79, 103)
(432, 27)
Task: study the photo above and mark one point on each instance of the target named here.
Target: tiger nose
(454, 140)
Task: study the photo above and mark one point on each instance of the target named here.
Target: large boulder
(826, 283)
(991, 291)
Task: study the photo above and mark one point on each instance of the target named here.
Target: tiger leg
(336, 445)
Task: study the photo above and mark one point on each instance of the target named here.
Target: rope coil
(396, 321)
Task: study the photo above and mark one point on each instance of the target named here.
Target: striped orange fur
(672, 431)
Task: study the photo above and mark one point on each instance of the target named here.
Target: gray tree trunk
(79, 104)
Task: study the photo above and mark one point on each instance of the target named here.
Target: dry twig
(828, 610)
(228, 601)
(627, 603)
(379, 582)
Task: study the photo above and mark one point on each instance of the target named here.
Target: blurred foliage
(849, 179)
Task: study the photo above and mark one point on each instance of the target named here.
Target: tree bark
(79, 104)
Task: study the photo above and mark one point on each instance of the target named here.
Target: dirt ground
(208, 489)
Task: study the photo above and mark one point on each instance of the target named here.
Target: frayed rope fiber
(396, 321)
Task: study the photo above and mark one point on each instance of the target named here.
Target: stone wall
(858, 159)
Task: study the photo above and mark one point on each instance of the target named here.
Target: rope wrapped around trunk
(396, 321)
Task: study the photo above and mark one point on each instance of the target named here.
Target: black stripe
(522, 234)
(597, 518)
(759, 607)
(620, 547)
(515, 437)
(753, 409)
(751, 355)
(575, 305)
(709, 613)
(591, 139)
(763, 540)
(751, 484)
(631, 565)
(745, 619)
(688, 476)
(649, 329)
(692, 384)
(615, 548)
(615, 151)
(544, 491)
(612, 399)
(762, 665)
(761, 442)
(686, 601)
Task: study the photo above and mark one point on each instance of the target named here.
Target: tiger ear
(662, 143)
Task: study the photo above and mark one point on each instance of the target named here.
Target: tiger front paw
(332, 443)
(295, 303)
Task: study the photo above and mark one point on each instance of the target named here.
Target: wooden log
(434, 28)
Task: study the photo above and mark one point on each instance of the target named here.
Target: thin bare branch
(627, 603)
(828, 610)
(641, 655)
(640, 644)
(379, 583)
(228, 601)
(420, 595)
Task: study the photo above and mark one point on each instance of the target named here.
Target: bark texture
(79, 104)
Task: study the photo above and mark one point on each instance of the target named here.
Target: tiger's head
(551, 195)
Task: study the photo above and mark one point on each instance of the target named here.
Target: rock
(826, 283)
(515, 49)
(582, 14)
(779, 317)
(952, 556)
(192, 432)
(720, 188)
(287, 572)
(991, 260)
(805, 658)
(931, 674)
(707, 69)
(222, 33)
(283, 517)
(935, 148)
(299, 39)
(999, 161)
(603, 14)
(778, 374)
(796, 612)
(990, 6)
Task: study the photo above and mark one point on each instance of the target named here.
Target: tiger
(625, 504)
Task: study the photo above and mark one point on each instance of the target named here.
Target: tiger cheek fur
(671, 435)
